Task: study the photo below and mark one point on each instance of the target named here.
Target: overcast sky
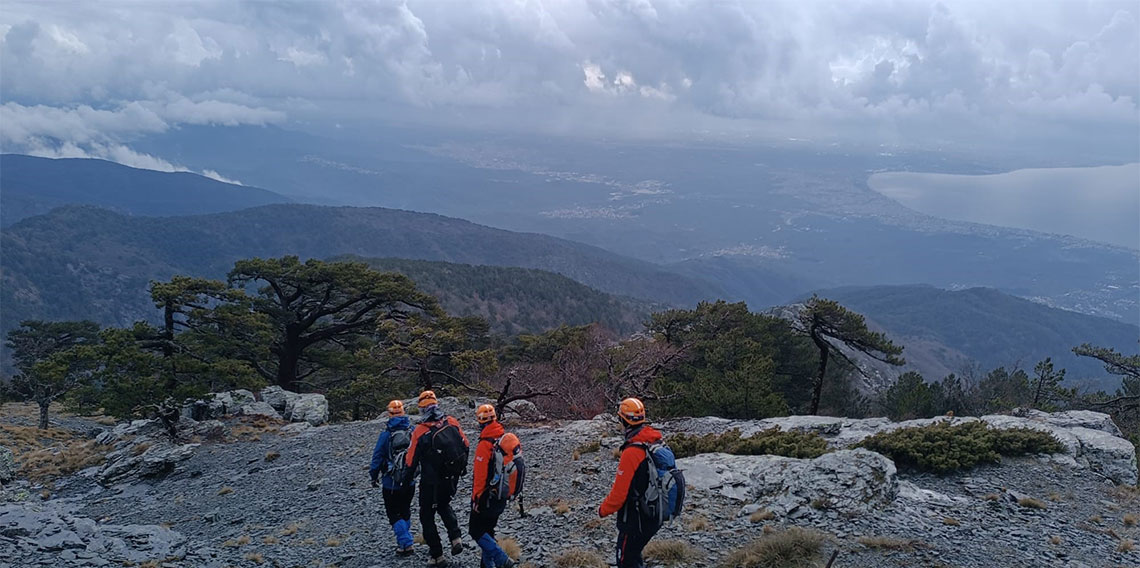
(83, 78)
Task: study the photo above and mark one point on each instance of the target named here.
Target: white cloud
(915, 66)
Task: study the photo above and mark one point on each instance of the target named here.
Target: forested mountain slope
(986, 326)
(83, 262)
(517, 300)
(33, 186)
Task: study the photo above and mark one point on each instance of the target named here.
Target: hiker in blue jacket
(399, 484)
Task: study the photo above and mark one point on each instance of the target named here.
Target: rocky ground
(265, 493)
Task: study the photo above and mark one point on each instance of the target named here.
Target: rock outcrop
(851, 481)
(271, 402)
(309, 407)
(30, 533)
(1091, 439)
(142, 450)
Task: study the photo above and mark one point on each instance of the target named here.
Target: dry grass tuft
(1125, 545)
(255, 557)
(225, 490)
(270, 540)
(991, 497)
(290, 530)
(670, 552)
(588, 448)
(579, 558)
(511, 547)
(761, 515)
(1096, 519)
(44, 455)
(794, 546)
(1129, 520)
(333, 541)
(418, 539)
(1055, 540)
(140, 448)
(270, 456)
(697, 523)
(236, 542)
(950, 521)
(594, 523)
(560, 507)
(252, 427)
(887, 543)
(1031, 503)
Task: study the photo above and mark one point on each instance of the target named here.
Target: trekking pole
(834, 555)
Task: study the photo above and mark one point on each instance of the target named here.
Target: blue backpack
(664, 495)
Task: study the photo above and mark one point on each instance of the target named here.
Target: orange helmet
(427, 398)
(632, 412)
(396, 408)
(485, 414)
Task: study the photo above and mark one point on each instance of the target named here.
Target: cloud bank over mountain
(902, 72)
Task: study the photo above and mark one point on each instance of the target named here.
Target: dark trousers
(631, 541)
(482, 529)
(481, 524)
(398, 504)
(434, 499)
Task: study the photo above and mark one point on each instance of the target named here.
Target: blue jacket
(380, 452)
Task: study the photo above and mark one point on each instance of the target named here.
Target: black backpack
(398, 470)
(449, 449)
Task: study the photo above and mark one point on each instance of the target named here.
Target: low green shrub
(768, 442)
(943, 447)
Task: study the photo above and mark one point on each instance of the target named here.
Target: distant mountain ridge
(945, 331)
(84, 262)
(31, 185)
(517, 300)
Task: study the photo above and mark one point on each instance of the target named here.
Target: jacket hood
(432, 414)
(492, 431)
(399, 423)
(644, 435)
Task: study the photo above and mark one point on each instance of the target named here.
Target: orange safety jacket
(483, 455)
(632, 465)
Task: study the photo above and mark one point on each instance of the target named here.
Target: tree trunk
(287, 362)
(817, 386)
(168, 346)
(44, 414)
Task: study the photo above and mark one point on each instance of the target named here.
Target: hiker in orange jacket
(486, 505)
(439, 449)
(634, 531)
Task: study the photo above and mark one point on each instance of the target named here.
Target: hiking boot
(441, 561)
(456, 546)
(401, 551)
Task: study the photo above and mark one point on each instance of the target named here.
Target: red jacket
(487, 438)
(632, 462)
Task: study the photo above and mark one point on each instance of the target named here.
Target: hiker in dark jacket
(436, 437)
(634, 531)
(486, 507)
(397, 496)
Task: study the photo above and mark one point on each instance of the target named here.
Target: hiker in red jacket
(439, 449)
(493, 485)
(634, 531)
